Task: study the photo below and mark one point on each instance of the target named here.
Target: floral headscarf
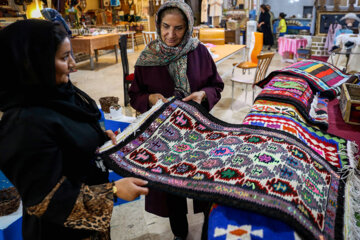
(157, 53)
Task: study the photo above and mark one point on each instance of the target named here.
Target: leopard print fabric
(93, 208)
(39, 209)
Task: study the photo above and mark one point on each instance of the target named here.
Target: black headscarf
(27, 67)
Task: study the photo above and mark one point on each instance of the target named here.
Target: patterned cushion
(322, 77)
(180, 148)
(297, 92)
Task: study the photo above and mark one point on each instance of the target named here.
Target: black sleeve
(33, 162)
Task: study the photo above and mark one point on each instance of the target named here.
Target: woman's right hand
(153, 98)
(130, 188)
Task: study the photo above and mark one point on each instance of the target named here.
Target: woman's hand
(153, 98)
(111, 135)
(196, 96)
(130, 188)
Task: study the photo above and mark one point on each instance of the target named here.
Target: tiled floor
(130, 221)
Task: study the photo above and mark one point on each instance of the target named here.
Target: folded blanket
(296, 91)
(321, 76)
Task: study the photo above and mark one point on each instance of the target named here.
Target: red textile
(129, 77)
(338, 127)
(320, 58)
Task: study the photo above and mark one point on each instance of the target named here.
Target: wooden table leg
(91, 62)
(116, 51)
(132, 41)
(96, 55)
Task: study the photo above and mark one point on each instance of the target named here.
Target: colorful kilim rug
(336, 150)
(322, 77)
(296, 91)
(180, 148)
(277, 107)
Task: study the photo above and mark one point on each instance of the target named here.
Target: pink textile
(290, 45)
(329, 43)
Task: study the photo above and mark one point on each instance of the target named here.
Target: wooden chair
(148, 37)
(254, 50)
(127, 77)
(195, 33)
(264, 61)
(212, 35)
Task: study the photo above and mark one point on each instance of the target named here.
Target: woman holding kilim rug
(49, 133)
(174, 64)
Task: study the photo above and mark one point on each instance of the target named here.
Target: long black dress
(266, 28)
(48, 137)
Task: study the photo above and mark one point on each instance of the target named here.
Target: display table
(290, 45)
(223, 52)
(10, 225)
(132, 33)
(91, 44)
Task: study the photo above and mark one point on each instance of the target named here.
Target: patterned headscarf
(157, 53)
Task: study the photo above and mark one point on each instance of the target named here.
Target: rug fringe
(351, 152)
(352, 204)
(314, 104)
(133, 127)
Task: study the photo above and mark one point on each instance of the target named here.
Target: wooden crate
(350, 103)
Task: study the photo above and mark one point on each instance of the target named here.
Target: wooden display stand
(350, 103)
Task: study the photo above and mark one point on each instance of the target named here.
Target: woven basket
(107, 102)
(9, 201)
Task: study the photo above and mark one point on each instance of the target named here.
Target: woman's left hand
(195, 96)
(111, 135)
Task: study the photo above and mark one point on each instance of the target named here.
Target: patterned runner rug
(180, 148)
(322, 77)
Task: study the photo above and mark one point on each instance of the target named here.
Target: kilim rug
(296, 91)
(277, 107)
(180, 148)
(337, 151)
(322, 77)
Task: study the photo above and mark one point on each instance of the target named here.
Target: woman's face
(172, 29)
(63, 62)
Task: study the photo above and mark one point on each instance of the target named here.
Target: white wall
(289, 7)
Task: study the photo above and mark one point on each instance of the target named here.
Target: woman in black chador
(49, 133)
(264, 25)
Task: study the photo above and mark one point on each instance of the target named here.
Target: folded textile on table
(180, 148)
(277, 107)
(337, 151)
(296, 91)
(322, 77)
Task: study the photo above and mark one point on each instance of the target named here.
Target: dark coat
(48, 132)
(266, 28)
(46, 145)
(202, 75)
